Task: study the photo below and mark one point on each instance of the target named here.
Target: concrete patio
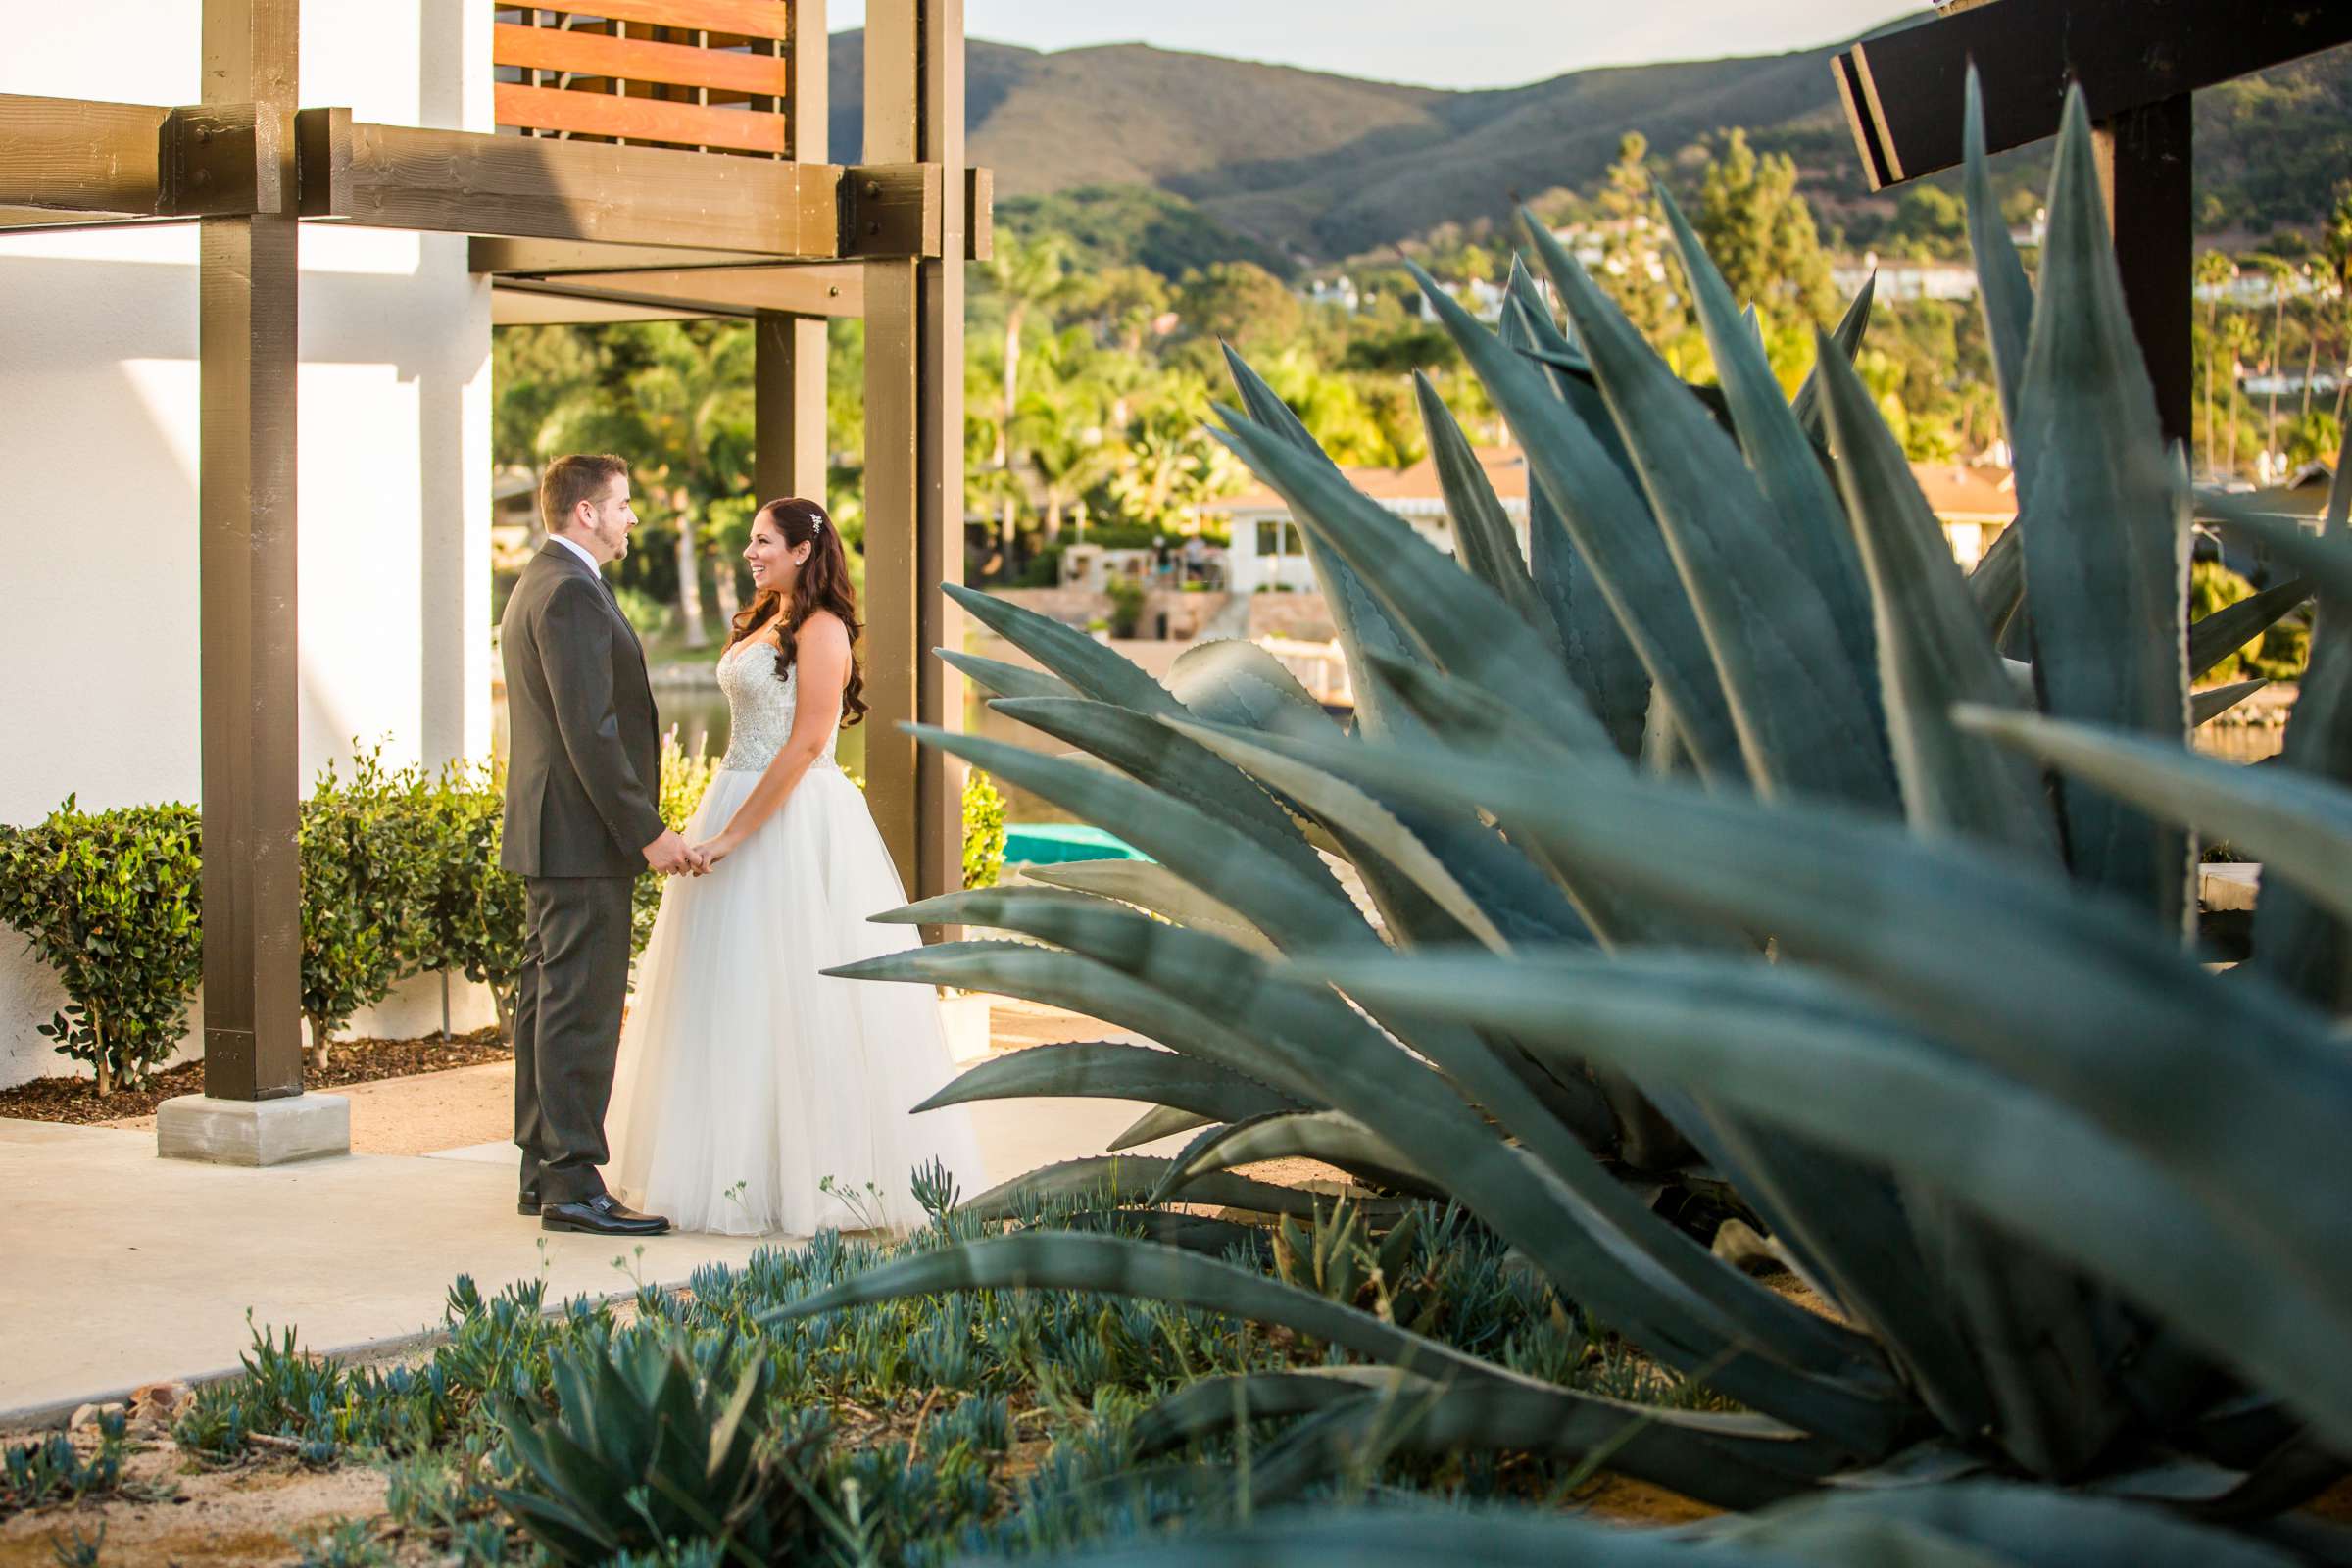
(117, 1268)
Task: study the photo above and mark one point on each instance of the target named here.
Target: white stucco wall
(98, 443)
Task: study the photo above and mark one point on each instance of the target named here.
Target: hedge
(400, 877)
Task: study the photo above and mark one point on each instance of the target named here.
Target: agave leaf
(1162, 1121)
(1457, 622)
(1326, 1136)
(1998, 584)
(1106, 1069)
(1062, 1261)
(2105, 545)
(1288, 905)
(1180, 770)
(1395, 1537)
(1363, 623)
(2215, 637)
(2002, 1522)
(1847, 335)
(1729, 1461)
(2092, 1007)
(2056, 1407)
(2300, 827)
(1114, 1180)
(1067, 653)
(1007, 681)
(2294, 942)
(1786, 466)
(1484, 541)
(1574, 1221)
(2006, 298)
(1889, 1097)
(1234, 682)
(2325, 559)
(1601, 659)
(1613, 533)
(1806, 719)
(1194, 1233)
(2207, 706)
(1933, 648)
(1151, 887)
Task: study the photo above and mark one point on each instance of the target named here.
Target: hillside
(1318, 166)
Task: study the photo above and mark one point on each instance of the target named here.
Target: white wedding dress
(747, 1078)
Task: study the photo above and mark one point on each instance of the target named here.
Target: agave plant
(1724, 830)
(644, 1450)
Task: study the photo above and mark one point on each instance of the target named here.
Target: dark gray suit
(583, 770)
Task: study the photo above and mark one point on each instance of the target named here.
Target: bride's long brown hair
(823, 584)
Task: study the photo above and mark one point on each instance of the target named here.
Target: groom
(583, 769)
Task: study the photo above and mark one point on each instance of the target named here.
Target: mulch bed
(351, 1061)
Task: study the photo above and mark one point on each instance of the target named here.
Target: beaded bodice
(759, 708)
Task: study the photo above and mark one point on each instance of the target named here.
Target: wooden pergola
(2138, 63)
(654, 159)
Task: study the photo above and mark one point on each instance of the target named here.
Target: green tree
(1761, 232)
(1241, 303)
(1635, 265)
(2214, 270)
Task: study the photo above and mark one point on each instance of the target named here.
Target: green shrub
(371, 863)
(109, 900)
(1127, 600)
(983, 830)
(473, 909)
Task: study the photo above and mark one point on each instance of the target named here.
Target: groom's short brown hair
(573, 479)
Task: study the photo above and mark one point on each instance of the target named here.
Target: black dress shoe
(528, 1205)
(601, 1216)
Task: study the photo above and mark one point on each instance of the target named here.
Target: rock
(86, 1417)
(1737, 1243)
(158, 1403)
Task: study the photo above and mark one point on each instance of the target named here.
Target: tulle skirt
(753, 1094)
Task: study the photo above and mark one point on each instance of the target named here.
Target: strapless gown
(746, 1077)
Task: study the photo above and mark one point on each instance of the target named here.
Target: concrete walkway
(117, 1268)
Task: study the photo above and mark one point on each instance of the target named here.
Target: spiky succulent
(1718, 832)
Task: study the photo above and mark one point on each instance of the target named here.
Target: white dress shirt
(579, 550)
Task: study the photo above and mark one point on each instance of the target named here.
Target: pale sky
(1463, 43)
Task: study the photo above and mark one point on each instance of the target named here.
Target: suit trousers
(568, 1006)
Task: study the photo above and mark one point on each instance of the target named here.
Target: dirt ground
(352, 1062)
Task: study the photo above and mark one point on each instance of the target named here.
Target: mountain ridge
(1317, 167)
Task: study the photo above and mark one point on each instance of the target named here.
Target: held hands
(714, 850)
(672, 855)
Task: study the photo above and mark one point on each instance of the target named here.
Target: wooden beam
(533, 187)
(68, 156)
(513, 305)
(808, 109)
(738, 291)
(597, 53)
(914, 110)
(589, 114)
(248, 287)
(1904, 90)
(789, 408)
(2145, 166)
(553, 258)
(753, 18)
(979, 215)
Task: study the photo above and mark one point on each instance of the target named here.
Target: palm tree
(2280, 275)
(1057, 429)
(2213, 273)
(1031, 274)
(2335, 243)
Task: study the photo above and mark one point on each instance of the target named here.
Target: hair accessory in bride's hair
(817, 524)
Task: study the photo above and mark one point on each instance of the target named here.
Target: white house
(1267, 551)
(1974, 502)
(98, 375)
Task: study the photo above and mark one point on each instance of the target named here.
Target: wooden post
(914, 447)
(2145, 168)
(247, 282)
(789, 357)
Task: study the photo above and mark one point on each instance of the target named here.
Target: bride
(755, 1094)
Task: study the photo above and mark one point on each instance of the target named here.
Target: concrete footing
(253, 1132)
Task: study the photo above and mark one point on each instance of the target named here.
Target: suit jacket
(584, 756)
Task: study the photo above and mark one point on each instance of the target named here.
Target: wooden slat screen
(708, 75)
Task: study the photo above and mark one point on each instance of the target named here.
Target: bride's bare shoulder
(821, 630)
